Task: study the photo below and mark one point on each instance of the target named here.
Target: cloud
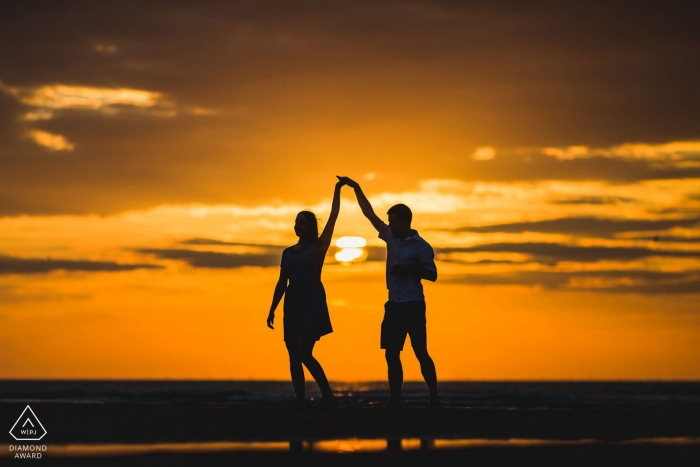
(577, 200)
(214, 259)
(614, 281)
(48, 99)
(205, 112)
(375, 253)
(572, 152)
(209, 241)
(583, 226)
(553, 253)
(8, 89)
(106, 48)
(14, 265)
(670, 239)
(433, 196)
(544, 253)
(51, 141)
(38, 115)
(260, 256)
(8, 294)
(15, 295)
(59, 96)
(675, 151)
(355, 95)
(485, 153)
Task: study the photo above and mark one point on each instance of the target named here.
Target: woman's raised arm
(327, 233)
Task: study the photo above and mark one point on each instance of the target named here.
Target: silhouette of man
(409, 259)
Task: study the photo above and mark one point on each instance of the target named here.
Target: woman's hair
(312, 222)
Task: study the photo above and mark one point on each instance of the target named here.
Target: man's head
(400, 217)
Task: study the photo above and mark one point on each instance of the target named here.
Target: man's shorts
(401, 318)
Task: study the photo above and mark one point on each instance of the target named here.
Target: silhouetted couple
(409, 260)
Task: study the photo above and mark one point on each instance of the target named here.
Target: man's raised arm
(364, 203)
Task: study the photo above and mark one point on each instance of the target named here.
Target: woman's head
(306, 225)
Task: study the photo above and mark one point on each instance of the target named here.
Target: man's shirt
(411, 250)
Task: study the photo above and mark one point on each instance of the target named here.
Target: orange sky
(153, 159)
(194, 321)
(191, 325)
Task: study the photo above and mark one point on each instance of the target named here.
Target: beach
(128, 423)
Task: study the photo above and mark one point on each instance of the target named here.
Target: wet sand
(121, 434)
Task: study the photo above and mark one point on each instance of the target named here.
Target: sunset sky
(154, 155)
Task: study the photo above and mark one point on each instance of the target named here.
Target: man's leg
(392, 340)
(395, 371)
(419, 341)
(427, 369)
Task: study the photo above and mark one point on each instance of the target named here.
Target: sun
(351, 250)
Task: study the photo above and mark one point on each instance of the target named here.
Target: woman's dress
(305, 308)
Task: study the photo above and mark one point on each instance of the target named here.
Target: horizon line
(534, 380)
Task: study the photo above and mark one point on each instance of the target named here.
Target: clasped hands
(346, 181)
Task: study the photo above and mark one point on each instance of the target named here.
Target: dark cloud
(451, 76)
(12, 265)
(376, 253)
(584, 226)
(16, 295)
(537, 166)
(212, 242)
(270, 257)
(678, 210)
(214, 259)
(592, 200)
(552, 253)
(670, 239)
(545, 253)
(637, 282)
(8, 294)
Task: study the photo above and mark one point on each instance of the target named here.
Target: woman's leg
(306, 347)
(296, 370)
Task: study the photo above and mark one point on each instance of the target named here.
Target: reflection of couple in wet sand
(409, 260)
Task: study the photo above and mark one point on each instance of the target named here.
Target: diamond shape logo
(28, 427)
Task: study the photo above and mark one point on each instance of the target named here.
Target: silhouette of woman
(306, 316)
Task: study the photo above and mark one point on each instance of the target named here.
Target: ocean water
(94, 420)
(502, 395)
